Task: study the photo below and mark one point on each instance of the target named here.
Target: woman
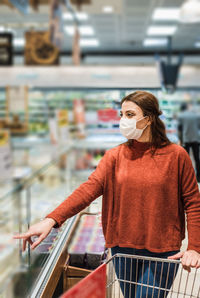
(147, 183)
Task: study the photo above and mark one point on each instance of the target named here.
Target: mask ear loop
(141, 119)
(150, 119)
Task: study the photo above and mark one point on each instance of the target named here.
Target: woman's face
(132, 111)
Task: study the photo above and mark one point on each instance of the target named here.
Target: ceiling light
(19, 42)
(82, 16)
(84, 30)
(166, 14)
(153, 42)
(6, 30)
(89, 42)
(161, 30)
(69, 30)
(67, 16)
(197, 44)
(190, 11)
(108, 9)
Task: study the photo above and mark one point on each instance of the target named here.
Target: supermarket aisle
(60, 106)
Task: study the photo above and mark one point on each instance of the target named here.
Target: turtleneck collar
(141, 146)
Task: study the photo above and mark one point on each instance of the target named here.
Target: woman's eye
(127, 115)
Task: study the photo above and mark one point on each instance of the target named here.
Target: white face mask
(128, 128)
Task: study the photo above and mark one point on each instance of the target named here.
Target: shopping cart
(144, 277)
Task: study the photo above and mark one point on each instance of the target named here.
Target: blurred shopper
(189, 125)
(147, 183)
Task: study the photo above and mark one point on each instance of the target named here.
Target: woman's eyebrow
(128, 111)
(132, 111)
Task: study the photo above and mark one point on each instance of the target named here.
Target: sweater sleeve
(83, 195)
(191, 201)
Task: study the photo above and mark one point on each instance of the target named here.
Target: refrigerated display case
(26, 200)
(68, 263)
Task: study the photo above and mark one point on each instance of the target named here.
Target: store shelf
(2, 103)
(95, 144)
(100, 99)
(82, 174)
(28, 142)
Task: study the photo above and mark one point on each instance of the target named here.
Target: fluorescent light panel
(5, 30)
(19, 42)
(161, 30)
(84, 30)
(197, 44)
(166, 14)
(190, 12)
(82, 16)
(153, 42)
(89, 42)
(108, 9)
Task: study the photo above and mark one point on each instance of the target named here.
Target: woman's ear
(150, 120)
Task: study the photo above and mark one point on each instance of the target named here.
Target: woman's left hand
(189, 258)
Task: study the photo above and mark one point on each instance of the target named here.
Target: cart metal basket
(133, 276)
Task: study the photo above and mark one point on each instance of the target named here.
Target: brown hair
(150, 107)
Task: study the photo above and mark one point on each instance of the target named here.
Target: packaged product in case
(44, 248)
(88, 245)
(79, 117)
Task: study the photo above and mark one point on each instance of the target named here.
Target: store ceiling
(121, 32)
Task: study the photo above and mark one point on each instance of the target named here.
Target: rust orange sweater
(144, 198)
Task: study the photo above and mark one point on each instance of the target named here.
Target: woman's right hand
(40, 229)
